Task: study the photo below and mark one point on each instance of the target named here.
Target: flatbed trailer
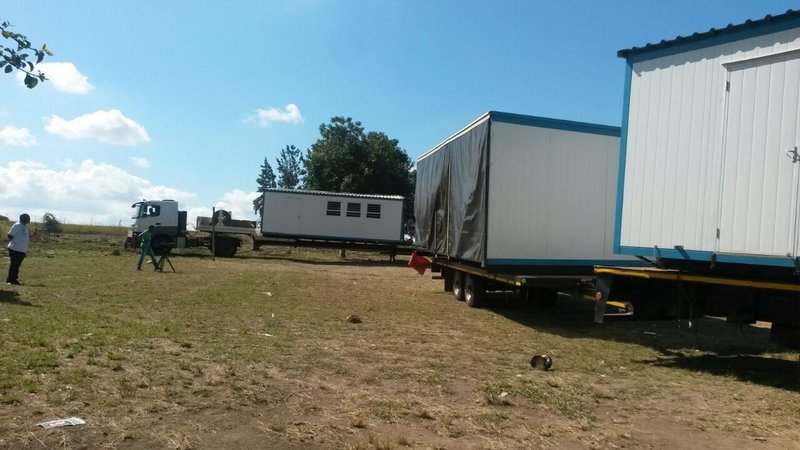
(381, 247)
(470, 283)
(658, 292)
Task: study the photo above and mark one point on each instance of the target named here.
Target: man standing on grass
(17, 247)
(145, 248)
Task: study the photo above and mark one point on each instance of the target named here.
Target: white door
(759, 185)
(291, 216)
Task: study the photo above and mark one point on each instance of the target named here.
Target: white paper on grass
(71, 421)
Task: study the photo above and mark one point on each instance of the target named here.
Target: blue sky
(185, 99)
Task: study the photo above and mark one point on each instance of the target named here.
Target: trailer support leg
(602, 289)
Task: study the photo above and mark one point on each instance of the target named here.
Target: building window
(334, 209)
(354, 210)
(373, 211)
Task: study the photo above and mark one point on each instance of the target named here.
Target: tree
(265, 180)
(346, 159)
(290, 169)
(332, 163)
(51, 224)
(17, 58)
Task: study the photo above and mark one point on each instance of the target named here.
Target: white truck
(219, 233)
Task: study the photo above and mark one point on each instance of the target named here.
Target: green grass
(70, 229)
(263, 338)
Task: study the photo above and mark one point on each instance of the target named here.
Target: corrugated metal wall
(552, 194)
(759, 179)
(676, 150)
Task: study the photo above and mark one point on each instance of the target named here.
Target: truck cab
(169, 223)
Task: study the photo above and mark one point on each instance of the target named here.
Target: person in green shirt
(146, 249)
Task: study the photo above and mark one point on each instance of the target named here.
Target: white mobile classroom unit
(332, 216)
(515, 191)
(709, 168)
(709, 182)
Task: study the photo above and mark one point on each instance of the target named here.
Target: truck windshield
(138, 210)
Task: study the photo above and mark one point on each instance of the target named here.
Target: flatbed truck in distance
(219, 233)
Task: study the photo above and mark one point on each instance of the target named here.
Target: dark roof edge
(334, 194)
(714, 36)
(557, 124)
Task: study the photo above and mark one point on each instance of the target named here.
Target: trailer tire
(474, 290)
(458, 285)
(225, 247)
(161, 245)
(545, 298)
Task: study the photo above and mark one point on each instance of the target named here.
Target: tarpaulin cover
(450, 201)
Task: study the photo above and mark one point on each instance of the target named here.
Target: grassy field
(257, 352)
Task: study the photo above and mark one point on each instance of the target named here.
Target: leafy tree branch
(16, 56)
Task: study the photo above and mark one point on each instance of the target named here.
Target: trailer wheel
(161, 245)
(458, 285)
(474, 290)
(225, 247)
(545, 298)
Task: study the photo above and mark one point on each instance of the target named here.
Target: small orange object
(418, 263)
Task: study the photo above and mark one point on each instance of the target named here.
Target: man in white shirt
(17, 247)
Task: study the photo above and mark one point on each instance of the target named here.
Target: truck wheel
(162, 245)
(474, 290)
(225, 247)
(545, 298)
(458, 285)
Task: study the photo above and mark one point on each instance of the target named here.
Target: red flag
(418, 263)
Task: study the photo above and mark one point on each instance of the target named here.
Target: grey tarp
(450, 202)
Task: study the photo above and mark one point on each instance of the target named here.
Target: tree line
(345, 158)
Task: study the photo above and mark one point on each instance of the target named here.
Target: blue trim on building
(329, 238)
(557, 124)
(623, 151)
(732, 33)
(562, 262)
(706, 256)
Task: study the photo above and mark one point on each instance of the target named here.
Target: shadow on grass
(721, 348)
(780, 373)
(12, 298)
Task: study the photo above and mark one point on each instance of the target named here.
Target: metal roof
(524, 119)
(750, 25)
(336, 194)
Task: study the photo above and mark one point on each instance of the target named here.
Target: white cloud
(14, 136)
(64, 76)
(109, 127)
(237, 202)
(143, 163)
(88, 192)
(266, 117)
